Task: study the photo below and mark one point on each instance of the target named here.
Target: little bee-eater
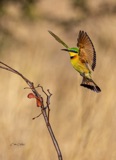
(82, 58)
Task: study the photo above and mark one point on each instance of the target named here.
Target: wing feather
(87, 50)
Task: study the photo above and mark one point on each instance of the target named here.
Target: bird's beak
(65, 50)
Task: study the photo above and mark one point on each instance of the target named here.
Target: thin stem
(52, 135)
(37, 116)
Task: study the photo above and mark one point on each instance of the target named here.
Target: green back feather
(75, 50)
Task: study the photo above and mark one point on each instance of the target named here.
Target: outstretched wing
(87, 51)
(58, 39)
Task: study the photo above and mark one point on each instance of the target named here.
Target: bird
(82, 58)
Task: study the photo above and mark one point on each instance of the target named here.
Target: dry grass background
(84, 122)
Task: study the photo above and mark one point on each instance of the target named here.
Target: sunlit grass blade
(58, 39)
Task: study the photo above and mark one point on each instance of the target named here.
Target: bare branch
(48, 99)
(39, 98)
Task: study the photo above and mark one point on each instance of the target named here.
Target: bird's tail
(90, 84)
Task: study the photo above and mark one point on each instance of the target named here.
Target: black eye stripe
(73, 51)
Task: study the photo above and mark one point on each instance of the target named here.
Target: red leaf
(38, 100)
(39, 103)
(31, 95)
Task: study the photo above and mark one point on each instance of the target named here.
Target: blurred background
(84, 122)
